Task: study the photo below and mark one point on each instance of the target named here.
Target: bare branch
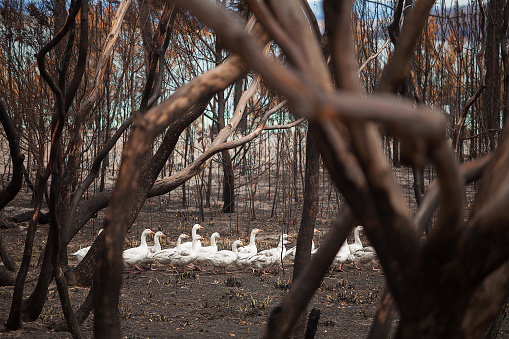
(471, 171)
(268, 21)
(463, 115)
(97, 85)
(7, 194)
(398, 67)
(374, 56)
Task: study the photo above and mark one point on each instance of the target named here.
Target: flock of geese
(192, 253)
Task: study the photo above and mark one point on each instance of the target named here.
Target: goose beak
(162, 235)
(152, 232)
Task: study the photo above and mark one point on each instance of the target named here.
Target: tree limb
(7, 194)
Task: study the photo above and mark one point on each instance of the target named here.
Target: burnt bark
(494, 330)
(308, 219)
(312, 325)
(6, 277)
(385, 312)
(82, 313)
(26, 216)
(7, 194)
(491, 95)
(6, 258)
(418, 185)
(15, 314)
(226, 162)
(228, 183)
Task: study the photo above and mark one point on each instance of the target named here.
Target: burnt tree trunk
(418, 184)
(491, 96)
(15, 314)
(228, 183)
(307, 225)
(14, 186)
(226, 162)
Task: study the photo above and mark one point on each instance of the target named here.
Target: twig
(374, 56)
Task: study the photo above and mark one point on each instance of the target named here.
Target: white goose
(251, 247)
(157, 245)
(313, 248)
(357, 245)
(267, 258)
(185, 256)
(163, 256)
(290, 254)
(224, 258)
(154, 248)
(81, 253)
(365, 255)
(243, 260)
(342, 256)
(194, 235)
(205, 251)
(136, 255)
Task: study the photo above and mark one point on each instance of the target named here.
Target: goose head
(159, 234)
(144, 236)
(146, 232)
(235, 245)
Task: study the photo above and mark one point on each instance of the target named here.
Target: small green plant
(253, 301)
(348, 297)
(282, 285)
(265, 303)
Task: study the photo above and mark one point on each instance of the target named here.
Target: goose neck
(143, 242)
